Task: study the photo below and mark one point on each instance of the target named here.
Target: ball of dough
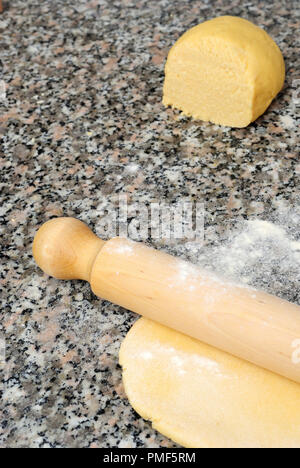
(225, 70)
(202, 397)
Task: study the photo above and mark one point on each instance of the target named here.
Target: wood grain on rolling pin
(248, 323)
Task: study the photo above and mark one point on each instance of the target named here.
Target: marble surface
(81, 121)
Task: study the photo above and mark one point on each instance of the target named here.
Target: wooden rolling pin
(250, 324)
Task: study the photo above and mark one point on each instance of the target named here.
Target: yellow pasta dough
(202, 397)
(226, 70)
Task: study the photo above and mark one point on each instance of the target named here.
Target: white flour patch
(179, 361)
(262, 254)
(207, 364)
(146, 355)
(126, 247)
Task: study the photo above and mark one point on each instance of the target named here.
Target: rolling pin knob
(66, 248)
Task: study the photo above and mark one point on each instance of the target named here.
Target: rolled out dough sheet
(199, 396)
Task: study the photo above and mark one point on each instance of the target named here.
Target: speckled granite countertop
(82, 122)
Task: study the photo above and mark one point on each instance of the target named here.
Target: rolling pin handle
(66, 248)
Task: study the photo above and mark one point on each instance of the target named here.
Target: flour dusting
(263, 254)
(179, 361)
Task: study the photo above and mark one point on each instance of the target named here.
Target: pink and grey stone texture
(82, 121)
